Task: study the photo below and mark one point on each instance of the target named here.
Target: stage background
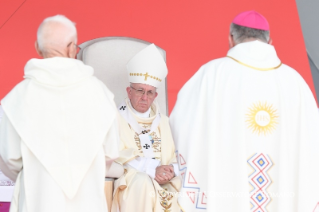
(192, 32)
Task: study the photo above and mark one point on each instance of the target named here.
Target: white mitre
(147, 67)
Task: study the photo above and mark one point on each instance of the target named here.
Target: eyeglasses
(78, 49)
(141, 92)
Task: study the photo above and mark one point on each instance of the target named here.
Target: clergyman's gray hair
(43, 30)
(241, 34)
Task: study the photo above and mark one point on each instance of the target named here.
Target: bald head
(56, 37)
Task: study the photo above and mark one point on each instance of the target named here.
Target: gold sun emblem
(262, 118)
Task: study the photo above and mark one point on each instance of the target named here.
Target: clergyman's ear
(231, 41)
(71, 51)
(128, 91)
(270, 41)
(37, 48)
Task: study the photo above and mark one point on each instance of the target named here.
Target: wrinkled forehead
(146, 87)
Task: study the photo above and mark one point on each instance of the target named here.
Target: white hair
(45, 32)
(241, 34)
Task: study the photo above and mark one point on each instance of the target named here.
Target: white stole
(144, 134)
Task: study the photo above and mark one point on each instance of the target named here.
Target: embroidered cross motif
(144, 131)
(146, 75)
(146, 146)
(123, 108)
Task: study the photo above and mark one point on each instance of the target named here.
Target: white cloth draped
(247, 138)
(6, 185)
(61, 121)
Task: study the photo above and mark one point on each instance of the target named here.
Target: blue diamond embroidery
(259, 197)
(261, 162)
(260, 180)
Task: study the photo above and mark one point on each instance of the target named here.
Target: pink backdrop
(192, 32)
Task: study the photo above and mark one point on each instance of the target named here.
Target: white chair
(109, 56)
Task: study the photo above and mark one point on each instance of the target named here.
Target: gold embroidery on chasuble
(262, 118)
(166, 198)
(146, 123)
(156, 139)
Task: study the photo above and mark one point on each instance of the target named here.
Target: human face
(141, 102)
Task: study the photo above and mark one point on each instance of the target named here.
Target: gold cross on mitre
(146, 75)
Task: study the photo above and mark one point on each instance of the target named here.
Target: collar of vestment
(152, 115)
(256, 55)
(57, 71)
(62, 114)
(126, 111)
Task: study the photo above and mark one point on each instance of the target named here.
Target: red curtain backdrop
(192, 32)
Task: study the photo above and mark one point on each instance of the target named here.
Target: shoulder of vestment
(18, 90)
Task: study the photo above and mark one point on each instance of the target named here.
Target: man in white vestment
(6, 186)
(147, 152)
(246, 130)
(59, 134)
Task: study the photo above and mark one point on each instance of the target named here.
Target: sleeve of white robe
(146, 165)
(112, 139)
(10, 151)
(111, 145)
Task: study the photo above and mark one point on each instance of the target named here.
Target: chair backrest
(109, 56)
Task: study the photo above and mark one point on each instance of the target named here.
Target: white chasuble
(137, 190)
(57, 137)
(246, 132)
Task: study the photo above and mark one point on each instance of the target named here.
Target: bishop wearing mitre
(147, 152)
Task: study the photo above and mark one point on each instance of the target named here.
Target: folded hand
(164, 174)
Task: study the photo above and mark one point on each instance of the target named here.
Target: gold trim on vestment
(173, 185)
(180, 206)
(117, 162)
(259, 69)
(166, 198)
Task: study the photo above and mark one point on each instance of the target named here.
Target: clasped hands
(164, 174)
